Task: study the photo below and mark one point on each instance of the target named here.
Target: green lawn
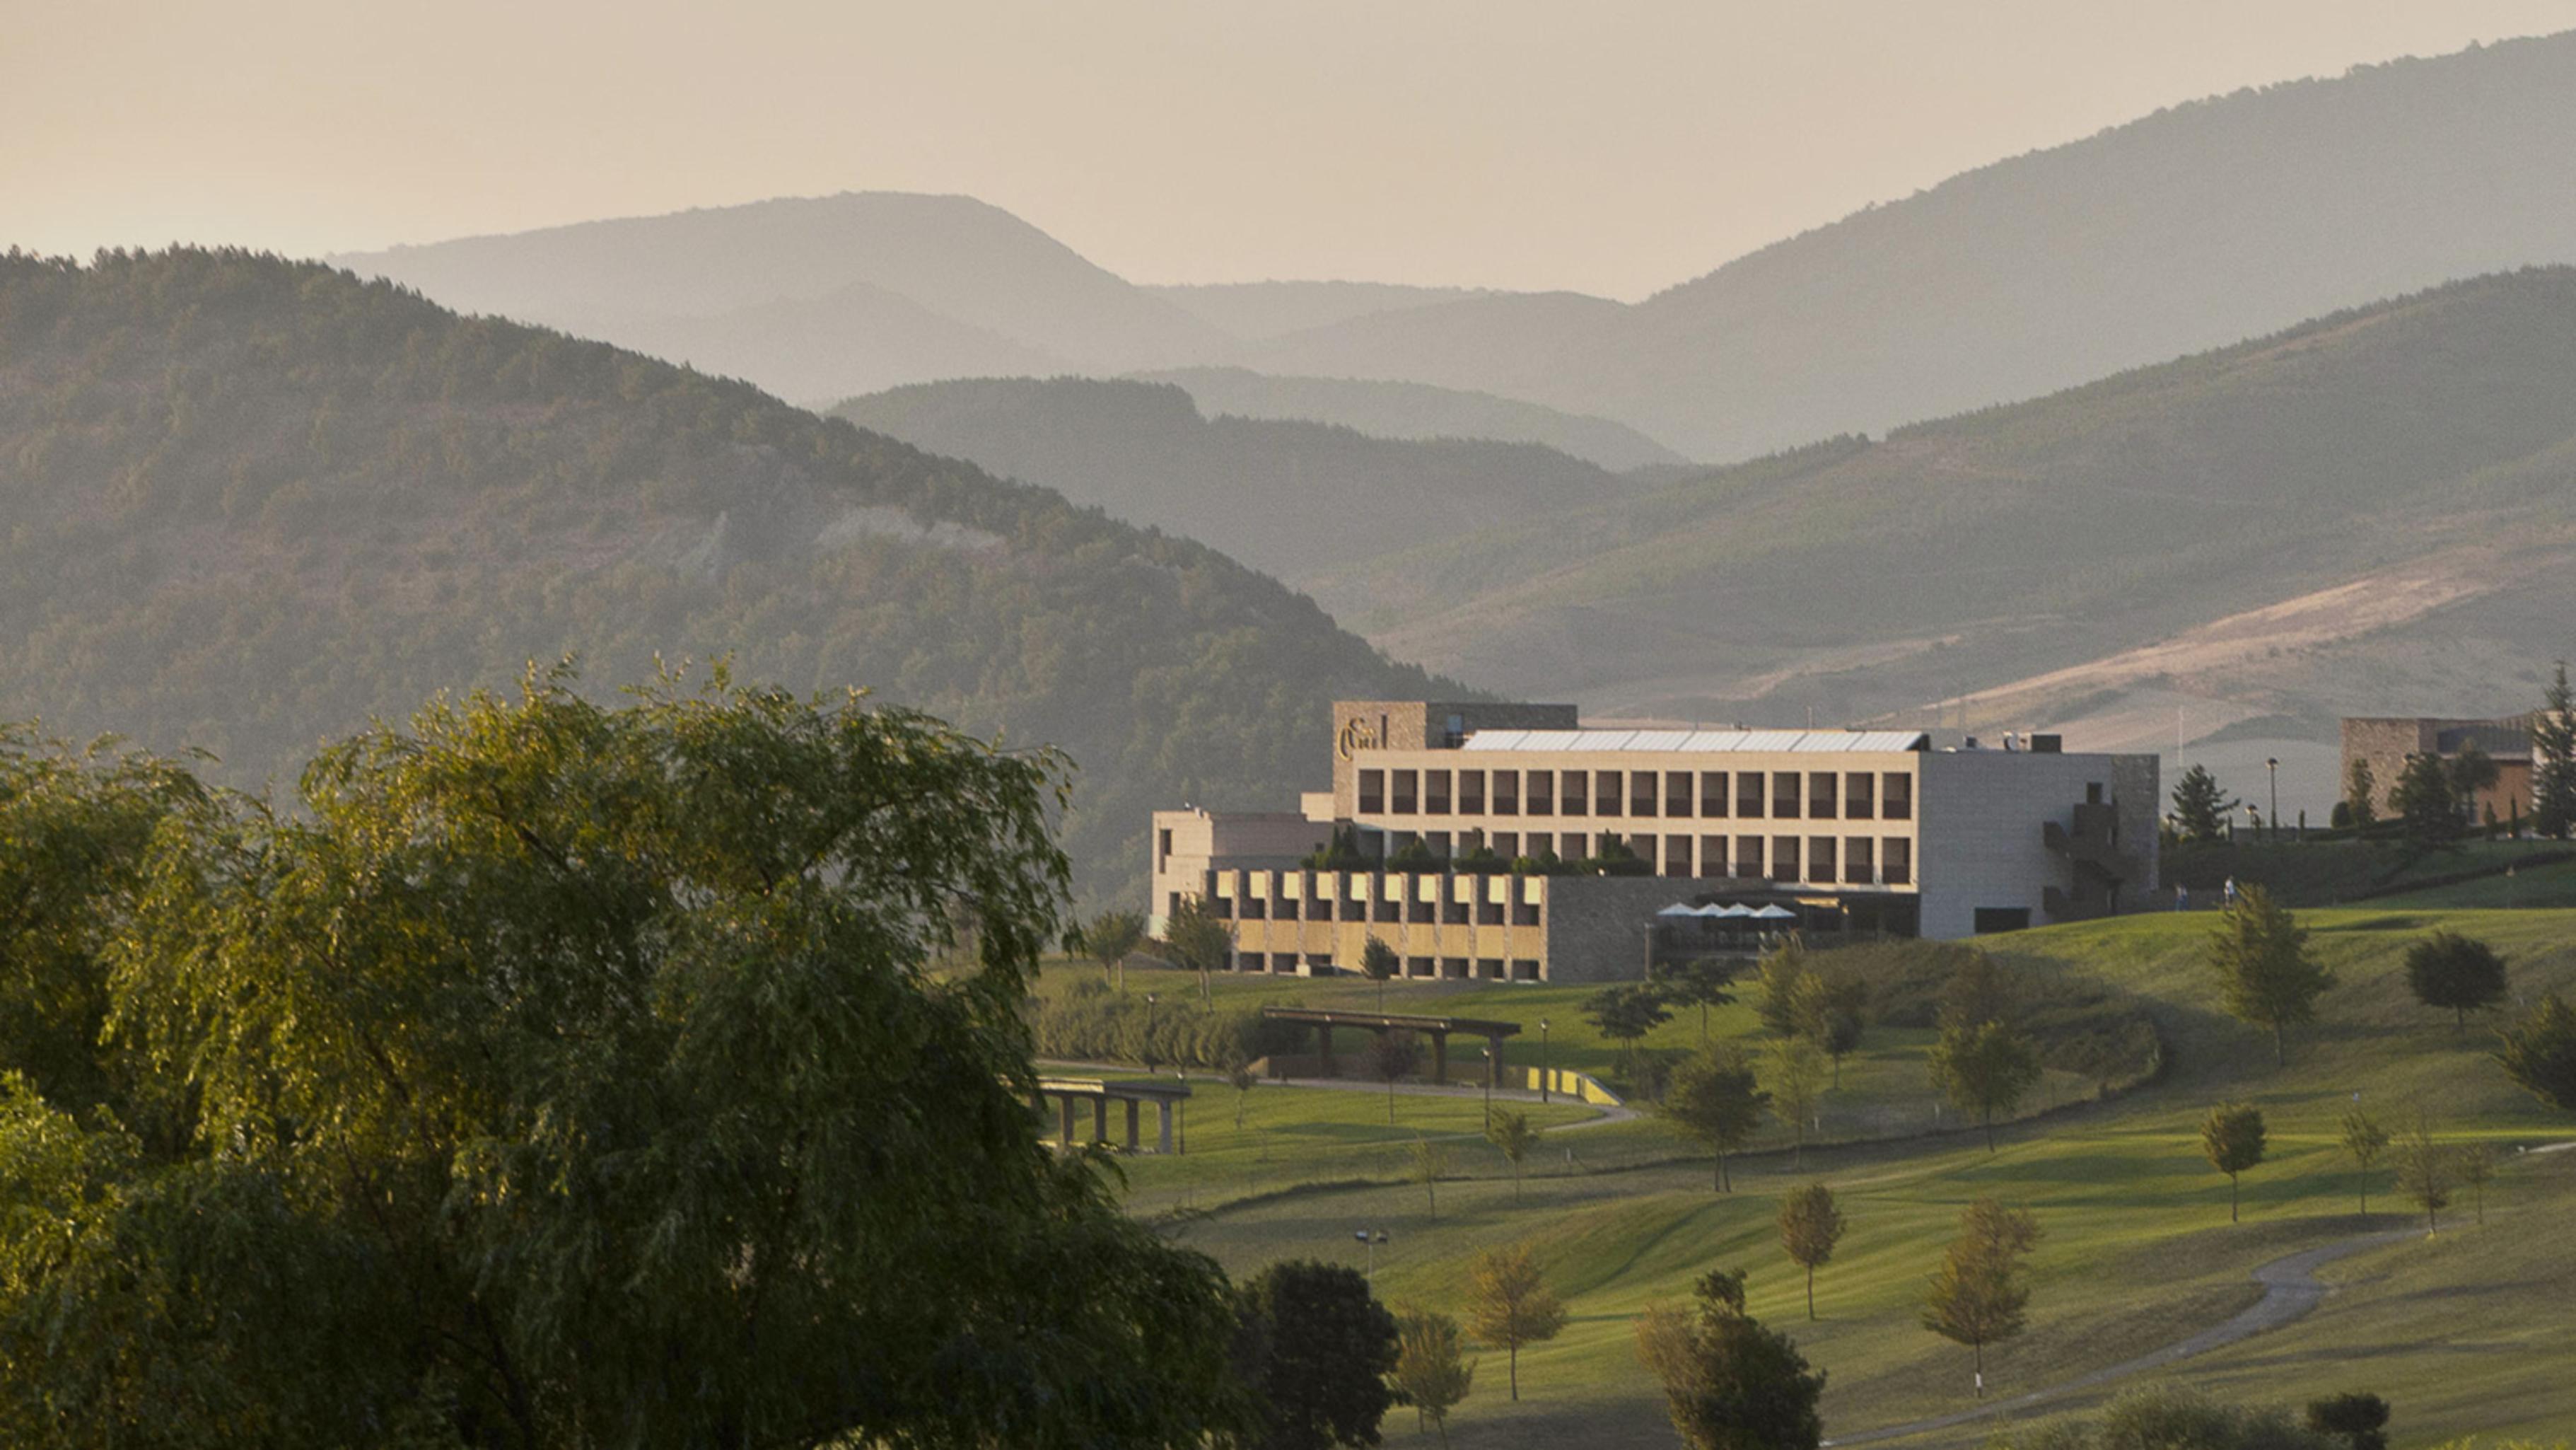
(2464, 1333)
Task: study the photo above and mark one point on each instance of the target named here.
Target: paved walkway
(2290, 1290)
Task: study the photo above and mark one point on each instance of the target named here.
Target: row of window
(1491, 969)
(1394, 904)
(1824, 795)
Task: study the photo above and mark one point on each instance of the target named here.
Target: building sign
(1356, 735)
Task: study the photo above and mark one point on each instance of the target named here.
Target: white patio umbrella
(1679, 908)
(1775, 913)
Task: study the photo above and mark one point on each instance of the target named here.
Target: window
(1455, 913)
(1572, 784)
(1490, 967)
(1164, 850)
(1286, 908)
(1897, 796)
(1860, 861)
(1320, 963)
(1641, 792)
(2002, 918)
(1524, 913)
(1605, 792)
(2092, 792)
(1438, 841)
(1572, 847)
(1748, 857)
(1471, 792)
(1712, 855)
(1386, 908)
(1406, 783)
(1784, 795)
(1677, 792)
(1897, 861)
(1677, 855)
(1748, 794)
(1542, 792)
(1820, 794)
(1712, 794)
(1860, 795)
(1435, 792)
(1507, 793)
(1784, 858)
(1524, 969)
(1507, 844)
(1255, 909)
(1418, 912)
(1489, 913)
(1319, 908)
(1820, 860)
(1372, 792)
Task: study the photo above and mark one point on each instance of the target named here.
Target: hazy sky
(1611, 147)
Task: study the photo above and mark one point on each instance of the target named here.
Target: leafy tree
(1429, 1163)
(1714, 1099)
(1626, 1013)
(1810, 1227)
(1199, 940)
(2539, 1053)
(2201, 808)
(1514, 1135)
(2461, 973)
(1432, 1373)
(1976, 1298)
(1985, 1069)
(1380, 962)
(2426, 805)
(1110, 937)
(2425, 1174)
(1325, 1347)
(1699, 982)
(1730, 1383)
(2553, 760)
(558, 1074)
(1392, 1056)
(2360, 794)
(1979, 990)
(1509, 1303)
(2265, 975)
(2232, 1137)
(1240, 1077)
(1797, 1080)
(1829, 1015)
(2471, 771)
(1778, 979)
(2364, 1140)
(2360, 1418)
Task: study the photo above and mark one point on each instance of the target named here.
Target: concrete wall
(1984, 814)
(1185, 845)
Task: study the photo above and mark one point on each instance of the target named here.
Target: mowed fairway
(2466, 1332)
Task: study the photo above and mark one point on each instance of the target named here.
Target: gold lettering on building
(1356, 736)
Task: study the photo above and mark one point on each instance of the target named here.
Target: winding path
(2290, 1290)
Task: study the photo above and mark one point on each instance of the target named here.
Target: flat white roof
(1790, 742)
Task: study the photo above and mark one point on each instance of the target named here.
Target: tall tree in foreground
(1109, 938)
(2426, 803)
(2200, 808)
(1509, 1304)
(1714, 1099)
(1200, 940)
(2539, 1053)
(2266, 976)
(559, 1075)
(1320, 1350)
(1513, 1135)
(2232, 1139)
(2553, 759)
(2363, 1140)
(1976, 1298)
(1729, 1382)
(1432, 1373)
(1985, 1070)
(2461, 974)
(1810, 1226)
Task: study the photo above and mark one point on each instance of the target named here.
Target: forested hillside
(245, 504)
(2372, 513)
(1284, 496)
(1417, 410)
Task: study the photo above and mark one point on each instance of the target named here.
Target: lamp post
(1489, 1089)
(2272, 769)
(1372, 1238)
(1181, 1116)
(1148, 1053)
(1542, 1060)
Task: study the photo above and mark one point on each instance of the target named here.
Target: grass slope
(2457, 1330)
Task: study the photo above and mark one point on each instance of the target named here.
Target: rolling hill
(2372, 513)
(1256, 310)
(1287, 497)
(1417, 410)
(246, 504)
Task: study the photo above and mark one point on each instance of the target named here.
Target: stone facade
(2389, 742)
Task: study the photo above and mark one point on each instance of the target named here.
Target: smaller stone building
(2389, 742)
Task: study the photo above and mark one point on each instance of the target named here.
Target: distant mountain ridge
(247, 504)
(1283, 495)
(1417, 411)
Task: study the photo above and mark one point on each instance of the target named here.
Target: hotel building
(1844, 830)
